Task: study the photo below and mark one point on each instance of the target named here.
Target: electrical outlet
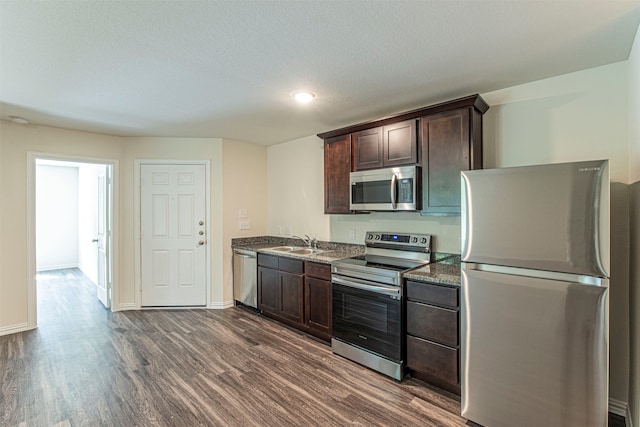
(279, 230)
(352, 234)
(287, 230)
(245, 225)
(243, 213)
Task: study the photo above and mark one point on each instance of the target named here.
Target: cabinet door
(268, 290)
(337, 166)
(292, 297)
(318, 305)
(367, 149)
(446, 141)
(400, 146)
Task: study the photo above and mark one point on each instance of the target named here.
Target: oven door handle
(365, 286)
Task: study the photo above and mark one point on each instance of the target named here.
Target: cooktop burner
(361, 260)
(387, 256)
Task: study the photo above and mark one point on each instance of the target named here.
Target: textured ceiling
(226, 69)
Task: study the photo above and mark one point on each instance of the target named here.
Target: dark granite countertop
(445, 271)
(330, 251)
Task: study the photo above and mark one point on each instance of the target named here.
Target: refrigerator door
(534, 351)
(550, 217)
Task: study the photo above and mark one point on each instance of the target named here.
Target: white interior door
(104, 236)
(173, 235)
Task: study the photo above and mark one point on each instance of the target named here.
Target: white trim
(137, 267)
(622, 409)
(127, 306)
(32, 157)
(14, 329)
(57, 267)
(221, 305)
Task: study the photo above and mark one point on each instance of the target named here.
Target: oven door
(368, 315)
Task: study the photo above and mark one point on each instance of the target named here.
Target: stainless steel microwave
(389, 189)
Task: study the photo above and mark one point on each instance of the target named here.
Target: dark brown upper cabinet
(367, 149)
(385, 146)
(399, 144)
(450, 142)
(337, 166)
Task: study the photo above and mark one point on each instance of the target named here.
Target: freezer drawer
(534, 351)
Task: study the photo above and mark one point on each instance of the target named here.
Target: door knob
(201, 242)
(201, 223)
(94, 240)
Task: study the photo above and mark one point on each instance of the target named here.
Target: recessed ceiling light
(19, 120)
(303, 96)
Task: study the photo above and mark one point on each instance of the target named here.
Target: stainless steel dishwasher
(245, 281)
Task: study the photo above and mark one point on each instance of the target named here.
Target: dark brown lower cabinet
(433, 334)
(292, 297)
(281, 290)
(268, 289)
(317, 288)
(287, 295)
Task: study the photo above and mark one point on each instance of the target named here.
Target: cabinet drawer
(265, 260)
(433, 323)
(291, 265)
(433, 294)
(315, 269)
(434, 359)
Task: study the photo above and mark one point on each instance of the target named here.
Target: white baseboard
(127, 306)
(621, 408)
(14, 329)
(56, 267)
(221, 305)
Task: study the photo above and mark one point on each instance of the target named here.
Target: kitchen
(581, 115)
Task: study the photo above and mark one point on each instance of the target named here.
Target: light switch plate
(243, 213)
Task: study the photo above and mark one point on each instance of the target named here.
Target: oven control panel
(379, 238)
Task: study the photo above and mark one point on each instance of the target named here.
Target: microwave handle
(392, 189)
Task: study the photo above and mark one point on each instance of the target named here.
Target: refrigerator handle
(540, 274)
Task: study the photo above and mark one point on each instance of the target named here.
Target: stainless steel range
(368, 300)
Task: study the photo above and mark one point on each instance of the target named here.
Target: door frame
(32, 157)
(137, 200)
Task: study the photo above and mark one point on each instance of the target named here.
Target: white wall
(244, 182)
(56, 217)
(634, 215)
(15, 142)
(296, 189)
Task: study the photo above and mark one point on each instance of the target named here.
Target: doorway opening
(71, 230)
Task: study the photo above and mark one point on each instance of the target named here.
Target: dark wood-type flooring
(87, 366)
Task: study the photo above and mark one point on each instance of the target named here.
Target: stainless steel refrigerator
(535, 295)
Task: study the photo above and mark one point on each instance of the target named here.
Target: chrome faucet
(309, 241)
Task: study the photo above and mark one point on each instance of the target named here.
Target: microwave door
(371, 195)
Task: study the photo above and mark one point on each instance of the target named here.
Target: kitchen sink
(306, 251)
(298, 250)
